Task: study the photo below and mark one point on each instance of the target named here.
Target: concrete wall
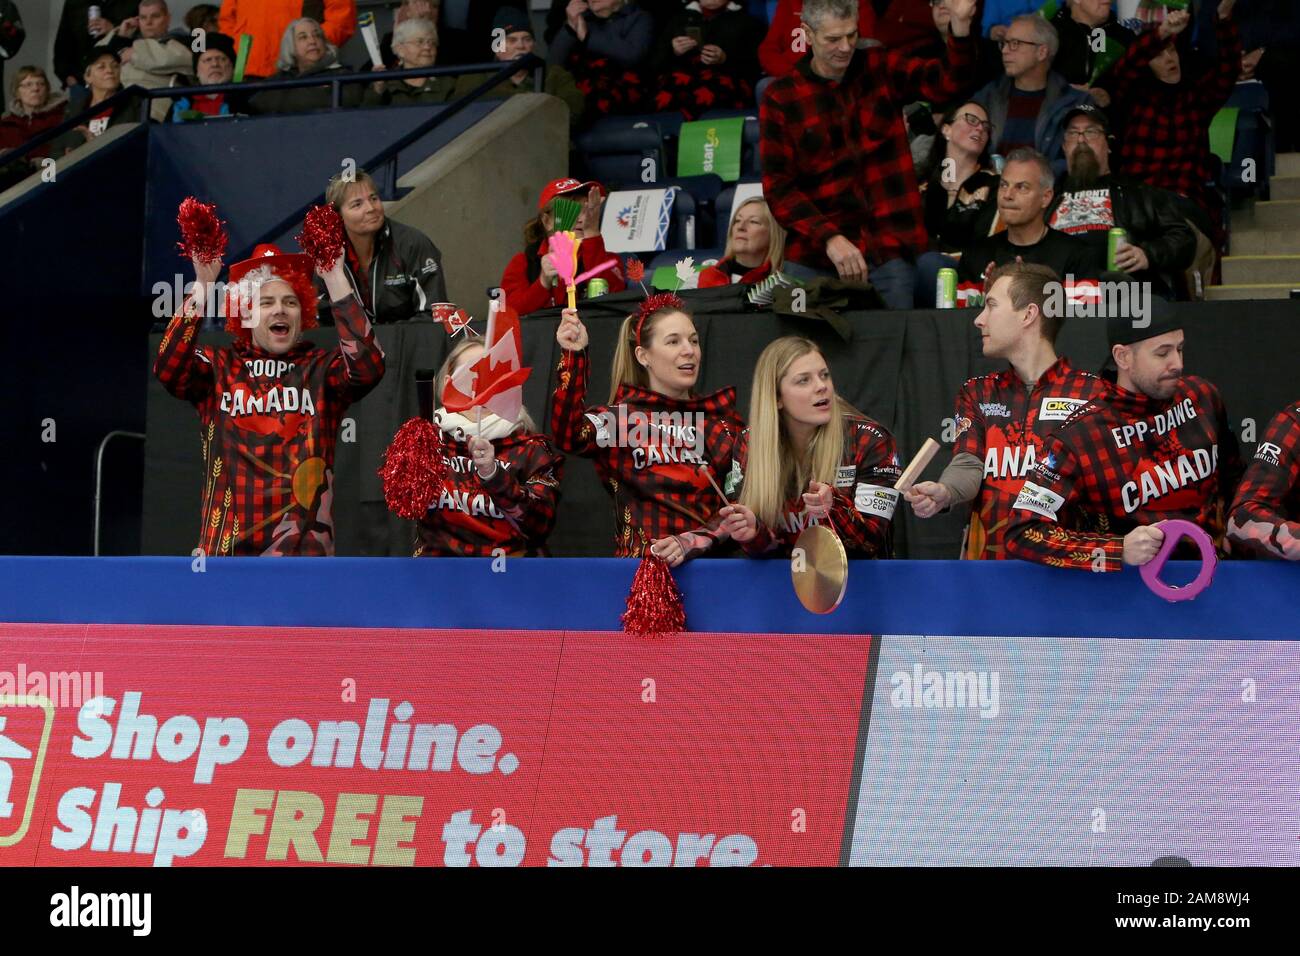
(473, 196)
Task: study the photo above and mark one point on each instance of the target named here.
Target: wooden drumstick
(709, 475)
(917, 465)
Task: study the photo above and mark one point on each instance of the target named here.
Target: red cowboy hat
(267, 263)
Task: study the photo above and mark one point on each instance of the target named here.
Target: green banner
(711, 146)
(1223, 133)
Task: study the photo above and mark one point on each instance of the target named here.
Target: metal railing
(335, 79)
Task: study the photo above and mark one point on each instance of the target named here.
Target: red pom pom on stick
(203, 235)
(414, 468)
(654, 605)
(322, 236)
(635, 269)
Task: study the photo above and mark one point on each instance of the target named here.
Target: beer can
(945, 289)
(1116, 239)
(597, 287)
(92, 15)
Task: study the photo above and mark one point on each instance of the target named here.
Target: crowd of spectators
(897, 137)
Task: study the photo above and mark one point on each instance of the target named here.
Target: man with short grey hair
(1027, 106)
(837, 170)
(1024, 194)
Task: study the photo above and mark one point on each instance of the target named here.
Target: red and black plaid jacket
(514, 510)
(1004, 423)
(268, 425)
(1167, 133)
(652, 473)
(1122, 461)
(1265, 516)
(836, 158)
(864, 499)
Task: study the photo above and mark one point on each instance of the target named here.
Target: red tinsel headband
(653, 304)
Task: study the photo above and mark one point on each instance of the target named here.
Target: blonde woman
(650, 442)
(755, 247)
(808, 457)
(503, 478)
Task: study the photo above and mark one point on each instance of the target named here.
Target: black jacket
(1152, 222)
(299, 99)
(734, 31)
(405, 276)
(1076, 58)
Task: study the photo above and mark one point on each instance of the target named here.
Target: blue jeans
(895, 280)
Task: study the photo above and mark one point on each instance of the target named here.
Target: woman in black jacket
(707, 59)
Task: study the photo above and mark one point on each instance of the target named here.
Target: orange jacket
(265, 21)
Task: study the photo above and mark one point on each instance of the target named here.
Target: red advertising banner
(179, 745)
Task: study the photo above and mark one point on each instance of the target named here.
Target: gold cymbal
(819, 569)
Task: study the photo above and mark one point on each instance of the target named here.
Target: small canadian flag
(496, 380)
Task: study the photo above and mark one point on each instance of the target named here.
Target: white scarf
(461, 428)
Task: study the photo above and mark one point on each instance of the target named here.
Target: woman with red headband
(530, 279)
(809, 456)
(657, 444)
(270, 404)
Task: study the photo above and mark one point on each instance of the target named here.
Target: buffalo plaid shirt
(863, 499)
(653, 473)
(1122, 461)
(514, 510)
(268, 426)
(1265, 516)
(835, 154)
(1004, 423)
(1167, 133)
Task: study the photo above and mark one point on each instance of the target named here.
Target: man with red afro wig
(270, 403)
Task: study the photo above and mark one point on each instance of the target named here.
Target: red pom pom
(322, 236)
(635, 269)
(414, 468)
(654, 605)
(203, 235)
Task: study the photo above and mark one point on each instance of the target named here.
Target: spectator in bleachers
(304, 51)
(517, 34)
(959, 191)
(1027, 106)
(1024, 194)
(1084, 66)
(205, 17)
(212, 67)
(267, 22)
(837, 168)
(530, 279)
(784, 46)
(33, 108)
(409, 10)
(151, 55)
(416, 44)
(706, 59)
(78, 34)
(1160, 243)
(103, 78)
(755, 247)
(605, 44)
(1167, 133)
(395, 269)
(1270, 33)
(660, 12)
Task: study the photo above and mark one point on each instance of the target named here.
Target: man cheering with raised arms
(1156, 447)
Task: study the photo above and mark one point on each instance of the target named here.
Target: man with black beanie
(1155, 447)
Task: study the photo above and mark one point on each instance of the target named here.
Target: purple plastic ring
(1175, 530)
